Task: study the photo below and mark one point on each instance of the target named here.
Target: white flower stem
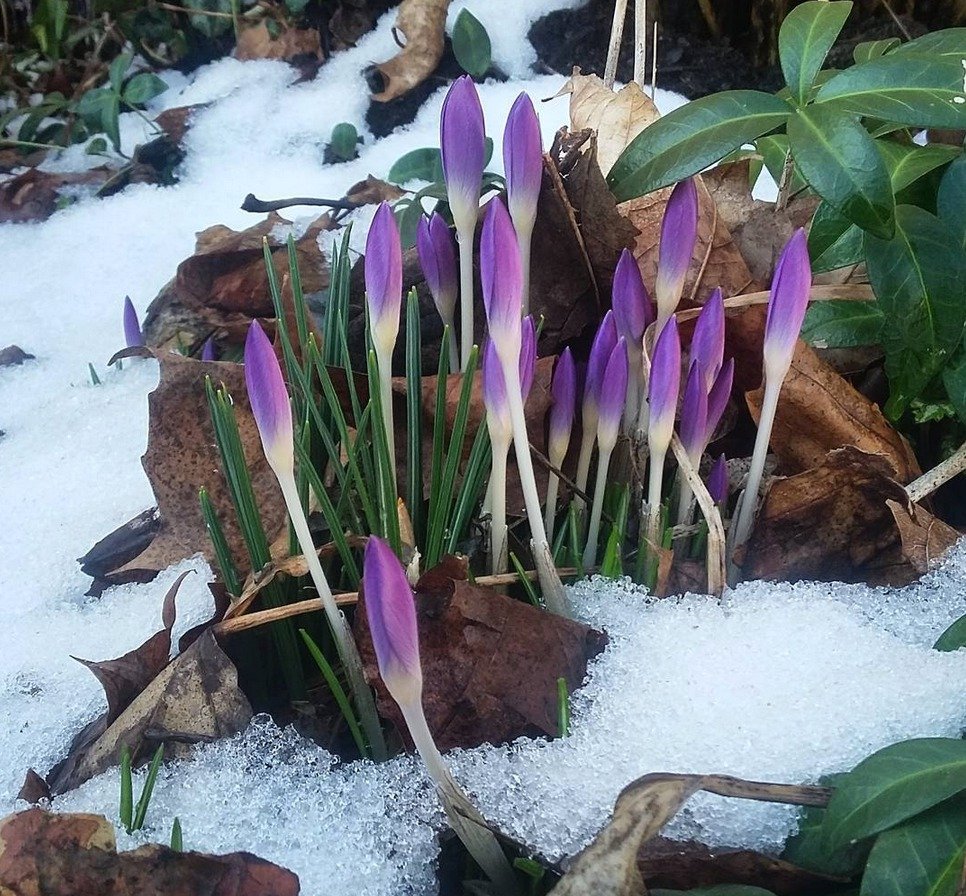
(633, 402)
(384, 363)
(603, 462)
(550, 509)
(745, 516)
(654, 482)
(465, 239)
(587, 440)
(464, 817)
(498, 529)
(524, 237)
(344, 642)
(550, 584)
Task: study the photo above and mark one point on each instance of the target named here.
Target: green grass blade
(388, 514)
(525, 581)
(414, 416)
(573, 537)
(612, 566)
(439, 432)
(298, 297)
(125, 810)
(471, 489)
(563, 708)
(141, 810)
(177, 840)
(226, 564)
(340, 698)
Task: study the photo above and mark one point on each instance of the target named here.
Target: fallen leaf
(924, 538)
(175, 122)
(616, 117)
(35, 195)
(423, 23)
(119, 547)
(34, 788)
(818, 411)
(224, 284)
(490, 663)
(830, 523)
(257, 42)
(53, 854)
(372, 191)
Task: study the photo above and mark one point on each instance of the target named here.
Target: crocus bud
(707, 344)
(437, 257)
(461, 142)
(563, 392)
(269, 400)
(694, 413)
(502, 279)
(494, 385)
(663, 387)
(522, 162)
(208, 352)
(600, 352)
(718, 481)
(383, 268)
(679, 230)
(132, 328)
(391, 611)
(632, 305)
(787, 304)
(613, 393)
(718, 397)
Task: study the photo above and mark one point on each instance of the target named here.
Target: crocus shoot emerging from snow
(462, 146)
(391, 612)
(437, 257)
(523, 164)
(273, 417)
(502, 284)
(132, 328)
(563, 393)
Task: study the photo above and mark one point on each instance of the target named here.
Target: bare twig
(614, 47)
(856, 292)
(939, 475)
(253, 204)
(640, 42)
(654, 64)
(897, 20)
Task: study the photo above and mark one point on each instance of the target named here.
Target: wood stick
(939, 475)
(614, 47)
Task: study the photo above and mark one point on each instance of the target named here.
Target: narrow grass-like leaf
(612, 566)
(414, 417)
(384, 461)
(573, 537)
(893, 785)
(345, 707)
(95, 379)
(125, 812)
(177, 838)
(226, 563)
(298, 297)
(531, 592)
(439, 429)
(563, 708)
(141, 810)
(471, 489)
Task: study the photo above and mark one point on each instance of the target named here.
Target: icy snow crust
(777, 682)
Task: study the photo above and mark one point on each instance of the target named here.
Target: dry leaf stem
(939, 475)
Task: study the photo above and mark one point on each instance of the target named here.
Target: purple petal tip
(268, 397)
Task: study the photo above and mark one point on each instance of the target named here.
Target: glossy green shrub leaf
(805, 37)
(839, 159)
(773, 149)
(917, 277)
(806, 848)
(833, 241)
(426, 164)
(143, 87)
(951, 199)
(842, 324)
(343, 142)
(954, 379)
(471, 44)
(949, 42)
(923, 857)
(906, 162)
(894, 785)
(953, 638)
(873, 49)
(908, 89)
(691, 138)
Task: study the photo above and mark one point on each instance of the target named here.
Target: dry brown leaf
(372, 191)
(616, 117)
(33, 195)
(257, 42)
(830, 523)
(490, 663)
(52, 854)
(423, 22)
(924, 538)
(818, 411)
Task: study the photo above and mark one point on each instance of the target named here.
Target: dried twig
(640, 42)
(856, 292)
(614, 47)
(253, 204)
(939, 475)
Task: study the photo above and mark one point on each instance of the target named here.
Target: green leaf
(805, 37)
(343, 141)
(951, 199)
(907, 162)
(949, 42)
(954, 638)
(426, 164)
(842, 324)
(143, 87)
(840, 161)
(917, 277)
(97, 147)
(773, 150)
(807, 849)
(118, 70)
(471, 44)
(141, 809)
(125, 812)
(894, 785)
(954, 379)
(833, 241)
(873, 49)
(177, 838)
(211, 26)
(691, 138)
(923, 857)
(909, 89)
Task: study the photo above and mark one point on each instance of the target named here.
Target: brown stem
(253, 204)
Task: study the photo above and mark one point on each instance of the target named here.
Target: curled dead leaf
(258, 42)
(423, 22)
(924, 538)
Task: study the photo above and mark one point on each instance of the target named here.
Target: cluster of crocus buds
(563, 395)
(437, 257)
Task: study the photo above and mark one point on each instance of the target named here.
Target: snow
(778, 682)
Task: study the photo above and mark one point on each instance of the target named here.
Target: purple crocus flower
(718, 481)
(269, 400)
(718, 397)
(663, 386)
(522, 162)
(461, 142)
(787, 304)
(437, 257)
(502, 279)
(132, 328)
(383, 269)
(679, 230)
(563, 391)
(494, 385)
(600, 351)
(631, 303)
(613, 394)
(694, 413)
(208, 352)
(391, 611)
(707, 344)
